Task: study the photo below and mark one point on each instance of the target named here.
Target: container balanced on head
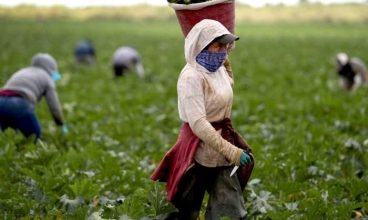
(24, 90)
(208, 147)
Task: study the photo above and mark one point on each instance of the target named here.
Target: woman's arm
(192, 106)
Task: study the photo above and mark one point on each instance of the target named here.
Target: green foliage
(309, 137)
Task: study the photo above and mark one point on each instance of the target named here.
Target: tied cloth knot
(227, 130)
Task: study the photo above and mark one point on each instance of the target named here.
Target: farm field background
(310, 137)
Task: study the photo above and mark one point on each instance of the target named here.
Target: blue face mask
(55, 76)
(211, 60)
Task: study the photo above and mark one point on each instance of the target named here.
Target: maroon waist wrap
(8, 93)
(181, 156)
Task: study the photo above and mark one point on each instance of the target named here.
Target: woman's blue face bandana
(55, 76)
(211, 60)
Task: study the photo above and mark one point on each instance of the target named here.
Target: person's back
(127, 59)
(24, 90)
(84, 52)
(31, 83)
(359, 67)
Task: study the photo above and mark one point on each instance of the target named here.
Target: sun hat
(227, 38)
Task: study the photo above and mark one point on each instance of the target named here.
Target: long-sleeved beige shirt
(205, 97)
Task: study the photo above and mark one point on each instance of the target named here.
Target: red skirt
(181, 156)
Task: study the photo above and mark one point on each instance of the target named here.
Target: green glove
(245, 158)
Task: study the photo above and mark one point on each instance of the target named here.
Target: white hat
(342, 58)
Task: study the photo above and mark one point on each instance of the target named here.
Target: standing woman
(24, 90)
(208, 147)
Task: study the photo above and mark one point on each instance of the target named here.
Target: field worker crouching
(352, 72)
(127, 59)
(208, 147)
(24, 90)
(85, 53)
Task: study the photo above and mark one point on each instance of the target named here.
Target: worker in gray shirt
(127, 59)
(24, 90)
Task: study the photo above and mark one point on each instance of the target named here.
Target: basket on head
(222, 11)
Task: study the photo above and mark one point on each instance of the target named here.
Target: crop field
(310, 137)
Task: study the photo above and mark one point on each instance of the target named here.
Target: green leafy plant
(308, 136)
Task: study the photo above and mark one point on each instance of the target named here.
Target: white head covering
(203, 33)
(342, 58)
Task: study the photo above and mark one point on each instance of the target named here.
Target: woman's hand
(64, 129)
(245, 159)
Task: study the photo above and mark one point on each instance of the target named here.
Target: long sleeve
(196, 104)
(53, 104)
(204, 130)
(33, 83)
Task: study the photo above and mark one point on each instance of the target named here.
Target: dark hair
(119, 70)
(218, 38)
